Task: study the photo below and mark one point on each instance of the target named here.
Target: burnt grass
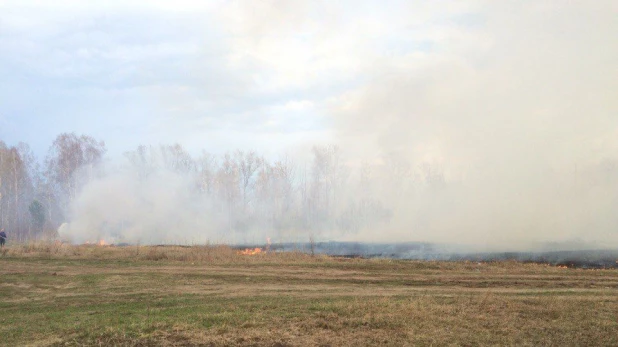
(212, 296)
(586, 259)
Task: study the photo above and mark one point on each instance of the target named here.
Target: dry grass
(212, 296)
(205, 253)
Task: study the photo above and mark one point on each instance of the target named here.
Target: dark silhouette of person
(2, 238)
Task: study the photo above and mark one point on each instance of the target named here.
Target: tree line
(34, 196)
(243, 189)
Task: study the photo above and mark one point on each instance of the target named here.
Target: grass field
(63, 295)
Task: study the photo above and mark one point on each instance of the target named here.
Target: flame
(250, 251)
(102, 243)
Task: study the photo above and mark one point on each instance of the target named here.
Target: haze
(480, 123)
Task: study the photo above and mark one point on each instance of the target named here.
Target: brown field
(63, 295)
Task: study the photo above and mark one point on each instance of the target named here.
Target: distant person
(2, 238)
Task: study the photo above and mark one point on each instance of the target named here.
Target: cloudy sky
(387, 76)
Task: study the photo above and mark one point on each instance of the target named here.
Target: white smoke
(501, 133)
(518, 112)
(162, 207)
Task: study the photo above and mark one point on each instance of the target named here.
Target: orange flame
(102, 243)
(250, 251)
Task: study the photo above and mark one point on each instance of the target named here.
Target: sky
(271, 75)
(209, 75)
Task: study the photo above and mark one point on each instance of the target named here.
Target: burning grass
(102, 251)
(212, 295)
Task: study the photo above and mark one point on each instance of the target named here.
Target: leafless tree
(176, 158)
(328, 178)
(16, 189)
(228, 186)
(69, 164)
(206, 166)
(247, 164)
(68, 154)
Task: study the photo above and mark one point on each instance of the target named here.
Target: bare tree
(141, 159)
(228, 187)
(284, 175)
(275, 189)
(177, 159)
(206, 166)
(247, 164)
(16, 189)
(328, 178)
(68, 154)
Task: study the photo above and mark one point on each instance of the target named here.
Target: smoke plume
(498, 131)
(518, 114)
